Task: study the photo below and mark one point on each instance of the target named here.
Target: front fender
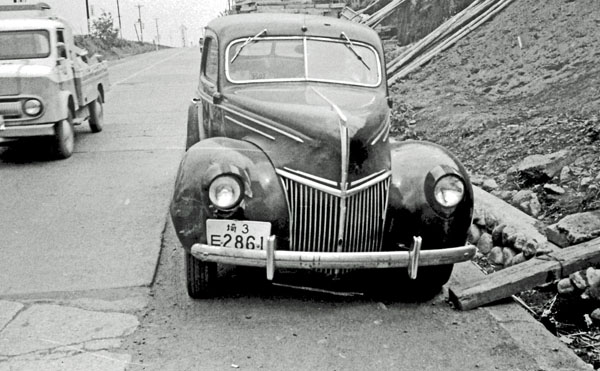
(412, 208)
(264, 199)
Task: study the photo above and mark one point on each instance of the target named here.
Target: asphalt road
(95, 220)
(98, 221)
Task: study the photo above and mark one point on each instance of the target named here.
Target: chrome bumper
(271, 258)
(26, 130)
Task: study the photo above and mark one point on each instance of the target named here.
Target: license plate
(238, 234)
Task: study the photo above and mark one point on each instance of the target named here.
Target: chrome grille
(11, 109)
(315, 217)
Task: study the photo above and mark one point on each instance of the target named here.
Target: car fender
(264, 198)
(412, 209)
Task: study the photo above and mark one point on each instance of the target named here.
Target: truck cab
(47, 84)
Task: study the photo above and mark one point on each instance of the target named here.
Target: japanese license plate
(238, 234)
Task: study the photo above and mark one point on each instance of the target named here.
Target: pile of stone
(585, 283)
(502, 245)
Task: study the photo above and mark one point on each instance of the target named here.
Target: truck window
(211, 68)
(24, 44)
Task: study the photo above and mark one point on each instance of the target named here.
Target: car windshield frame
(306, 78)
(39, 55)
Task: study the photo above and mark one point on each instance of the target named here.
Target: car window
(24, 44)
(281, 59)
(212, 60)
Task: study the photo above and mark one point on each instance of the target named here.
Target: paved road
(79, 237)
(95, 221)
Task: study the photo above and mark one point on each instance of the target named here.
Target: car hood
(11, 74)
(314, 116)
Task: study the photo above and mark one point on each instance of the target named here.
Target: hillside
(526, 82)
(120, 49)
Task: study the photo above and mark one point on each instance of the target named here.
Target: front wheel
(96, 115)
(200, 277)
(64, 138)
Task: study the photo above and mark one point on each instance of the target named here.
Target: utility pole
(140, 22)
(183, 39)
(87, 12)
(119, 15)
(157, 34)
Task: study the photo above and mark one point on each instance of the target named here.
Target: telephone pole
(119, 15)
(157, 34)
(183, 39)
(140, 22)
(87, 12)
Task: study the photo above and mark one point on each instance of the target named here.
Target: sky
(170, 15)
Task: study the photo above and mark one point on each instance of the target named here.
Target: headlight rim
(40, 107)
(240, 187)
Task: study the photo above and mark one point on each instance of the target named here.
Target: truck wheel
(96, 115)
(200, 277)
(64, 138)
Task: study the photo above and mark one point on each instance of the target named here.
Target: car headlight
(449, 190)
(32, 107)
(225, 192)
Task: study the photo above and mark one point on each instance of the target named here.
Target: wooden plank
(525, 276)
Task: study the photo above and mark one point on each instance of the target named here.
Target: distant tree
(103, 29)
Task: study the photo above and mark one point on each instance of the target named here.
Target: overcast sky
(169, 14)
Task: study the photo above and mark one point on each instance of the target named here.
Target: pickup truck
(47, 84)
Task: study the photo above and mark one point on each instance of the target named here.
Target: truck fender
(65, 102)
(264, 198)
(413, 211)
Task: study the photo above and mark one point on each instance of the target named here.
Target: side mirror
(390, 102)
(62, 50)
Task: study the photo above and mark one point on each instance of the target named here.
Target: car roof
(237, 26)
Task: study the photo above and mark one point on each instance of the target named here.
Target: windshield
(24, 44)
(303, 59)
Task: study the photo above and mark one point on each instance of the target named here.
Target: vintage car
(289, 163)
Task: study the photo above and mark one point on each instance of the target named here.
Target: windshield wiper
(248, 41)
(350, 46)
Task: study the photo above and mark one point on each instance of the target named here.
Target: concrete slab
(95, 361)
(48, 327)
(8, 310)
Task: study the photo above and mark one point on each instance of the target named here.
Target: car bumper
(271, 258)
(26, 130)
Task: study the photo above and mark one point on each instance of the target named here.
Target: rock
(496, 256)
(520, 242)
(579, 280)
(565, 286)
(536, 169)
(553, 189)
(595, 315)
(522, 196)
(593, 293)
(479, 218)
(497, 234)
(508, 255)
(473, 234)
(504, 195)
(593, 277)
(484, 245)
(535, 207)
(490, 221)
(565, 175)
(489, 184)
(575, 228)
(477, 180)
(531, 249)
(585, 182)
(509, 235)
(518, 259)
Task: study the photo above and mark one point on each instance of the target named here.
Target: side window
(60, 38)
(211, 68)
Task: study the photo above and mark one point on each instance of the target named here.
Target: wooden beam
(525, 276)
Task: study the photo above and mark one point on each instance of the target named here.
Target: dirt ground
(493, 102)
(526, 82)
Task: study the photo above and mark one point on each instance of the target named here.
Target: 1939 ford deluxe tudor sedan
(289, 163)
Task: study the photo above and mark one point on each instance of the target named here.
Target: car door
(210, 115)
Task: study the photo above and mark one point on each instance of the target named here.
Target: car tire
(64, 138)
(96, 119)
(200, 277)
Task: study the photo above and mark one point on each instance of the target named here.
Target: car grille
(11, 110)
(315, 217)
